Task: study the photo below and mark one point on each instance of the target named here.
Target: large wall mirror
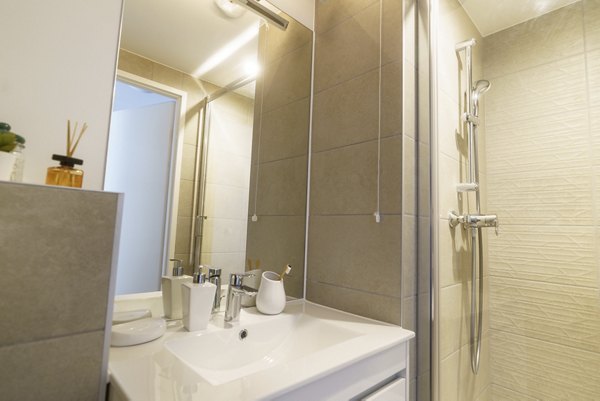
(209, 140)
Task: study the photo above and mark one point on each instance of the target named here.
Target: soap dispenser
(197, 298)
(171, 290)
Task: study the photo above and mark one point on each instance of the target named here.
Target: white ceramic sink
(223, 356)
(307, 352)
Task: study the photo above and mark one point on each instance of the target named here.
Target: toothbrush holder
(271, 294)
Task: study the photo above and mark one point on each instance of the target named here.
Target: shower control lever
(473, 220)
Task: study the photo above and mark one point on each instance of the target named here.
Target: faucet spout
(234, 296)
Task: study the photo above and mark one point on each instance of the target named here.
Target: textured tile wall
(543, 133)
(456, 380)
(56, 263)
(354, 263)
(278, 178)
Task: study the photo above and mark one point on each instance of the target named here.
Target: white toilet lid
(137, 332)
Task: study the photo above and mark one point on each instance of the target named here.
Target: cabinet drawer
(394, 391)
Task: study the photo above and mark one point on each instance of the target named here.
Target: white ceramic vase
(271, 294)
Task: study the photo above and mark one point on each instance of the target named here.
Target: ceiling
(185, 34)
(491, 16)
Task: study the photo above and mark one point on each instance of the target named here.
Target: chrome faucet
(234, 296)
(214, 276)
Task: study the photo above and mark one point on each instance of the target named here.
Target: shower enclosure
(514, 316)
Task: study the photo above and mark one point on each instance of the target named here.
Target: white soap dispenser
(198, 298)
(171, 290)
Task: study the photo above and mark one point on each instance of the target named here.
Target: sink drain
(243, 334)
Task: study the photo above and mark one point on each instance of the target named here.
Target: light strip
(264, 12)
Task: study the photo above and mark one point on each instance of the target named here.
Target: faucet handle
(214, 272)
(235, 279)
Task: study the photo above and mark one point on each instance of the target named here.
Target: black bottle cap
(67, 161)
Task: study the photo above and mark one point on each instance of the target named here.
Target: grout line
(58, 337)
(357, 289)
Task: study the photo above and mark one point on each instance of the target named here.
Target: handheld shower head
(480, 88)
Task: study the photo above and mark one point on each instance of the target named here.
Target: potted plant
(11, 145)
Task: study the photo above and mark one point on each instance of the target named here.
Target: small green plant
(9, 140)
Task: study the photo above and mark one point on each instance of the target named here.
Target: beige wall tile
(135, 64)
(344, 180)
(391, 98)
(409, 256)
(559, 314)
(277, 241)
(281, 42)
(457, 381)
(500, 393)
(551, 37)
(166, 75)
(65, 368)
(58, 247)
(454, 318)
(182, 235)
(330, 13)
(591, 18)
(364, 254)
(186, 191)
(347, 113)
(282, 187)
(528, 367)
(348, 50)
(409, 175)
(284, 131)
(392, 28)
(188, 161)
(372, 305)
(287, 79)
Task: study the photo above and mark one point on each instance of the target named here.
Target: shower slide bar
(474, 222)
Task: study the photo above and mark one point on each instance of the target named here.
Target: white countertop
(150, 372)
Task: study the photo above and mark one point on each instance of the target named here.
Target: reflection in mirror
(243, 149)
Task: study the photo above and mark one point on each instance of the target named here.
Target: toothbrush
(285, 271)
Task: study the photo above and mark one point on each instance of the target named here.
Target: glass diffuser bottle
(65, 175)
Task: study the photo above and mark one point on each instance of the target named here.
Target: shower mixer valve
(474, 220)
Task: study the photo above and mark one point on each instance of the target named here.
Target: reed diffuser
(66, 174)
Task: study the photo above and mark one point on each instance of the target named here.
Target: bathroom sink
(225, 355)
(307, 352)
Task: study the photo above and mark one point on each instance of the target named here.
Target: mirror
(237, 173)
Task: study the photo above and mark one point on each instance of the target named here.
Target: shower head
(480, 88)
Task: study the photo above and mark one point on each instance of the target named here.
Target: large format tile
(283, 132)
(282, 187)
(287, 79)
(58, 248)
(591, 18)
(275, 241)
(279, 43)
(552, 89)
(340, 118)
(548, 38)
(348, 50)
(550, 253)
(344, 180)
(391, 98)
(135, 64)
(372, 305)
(555, 313)
(66, 368)
(528, 367)
(357, 252)
(330, 13)
(409, 256)
(458, 383)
